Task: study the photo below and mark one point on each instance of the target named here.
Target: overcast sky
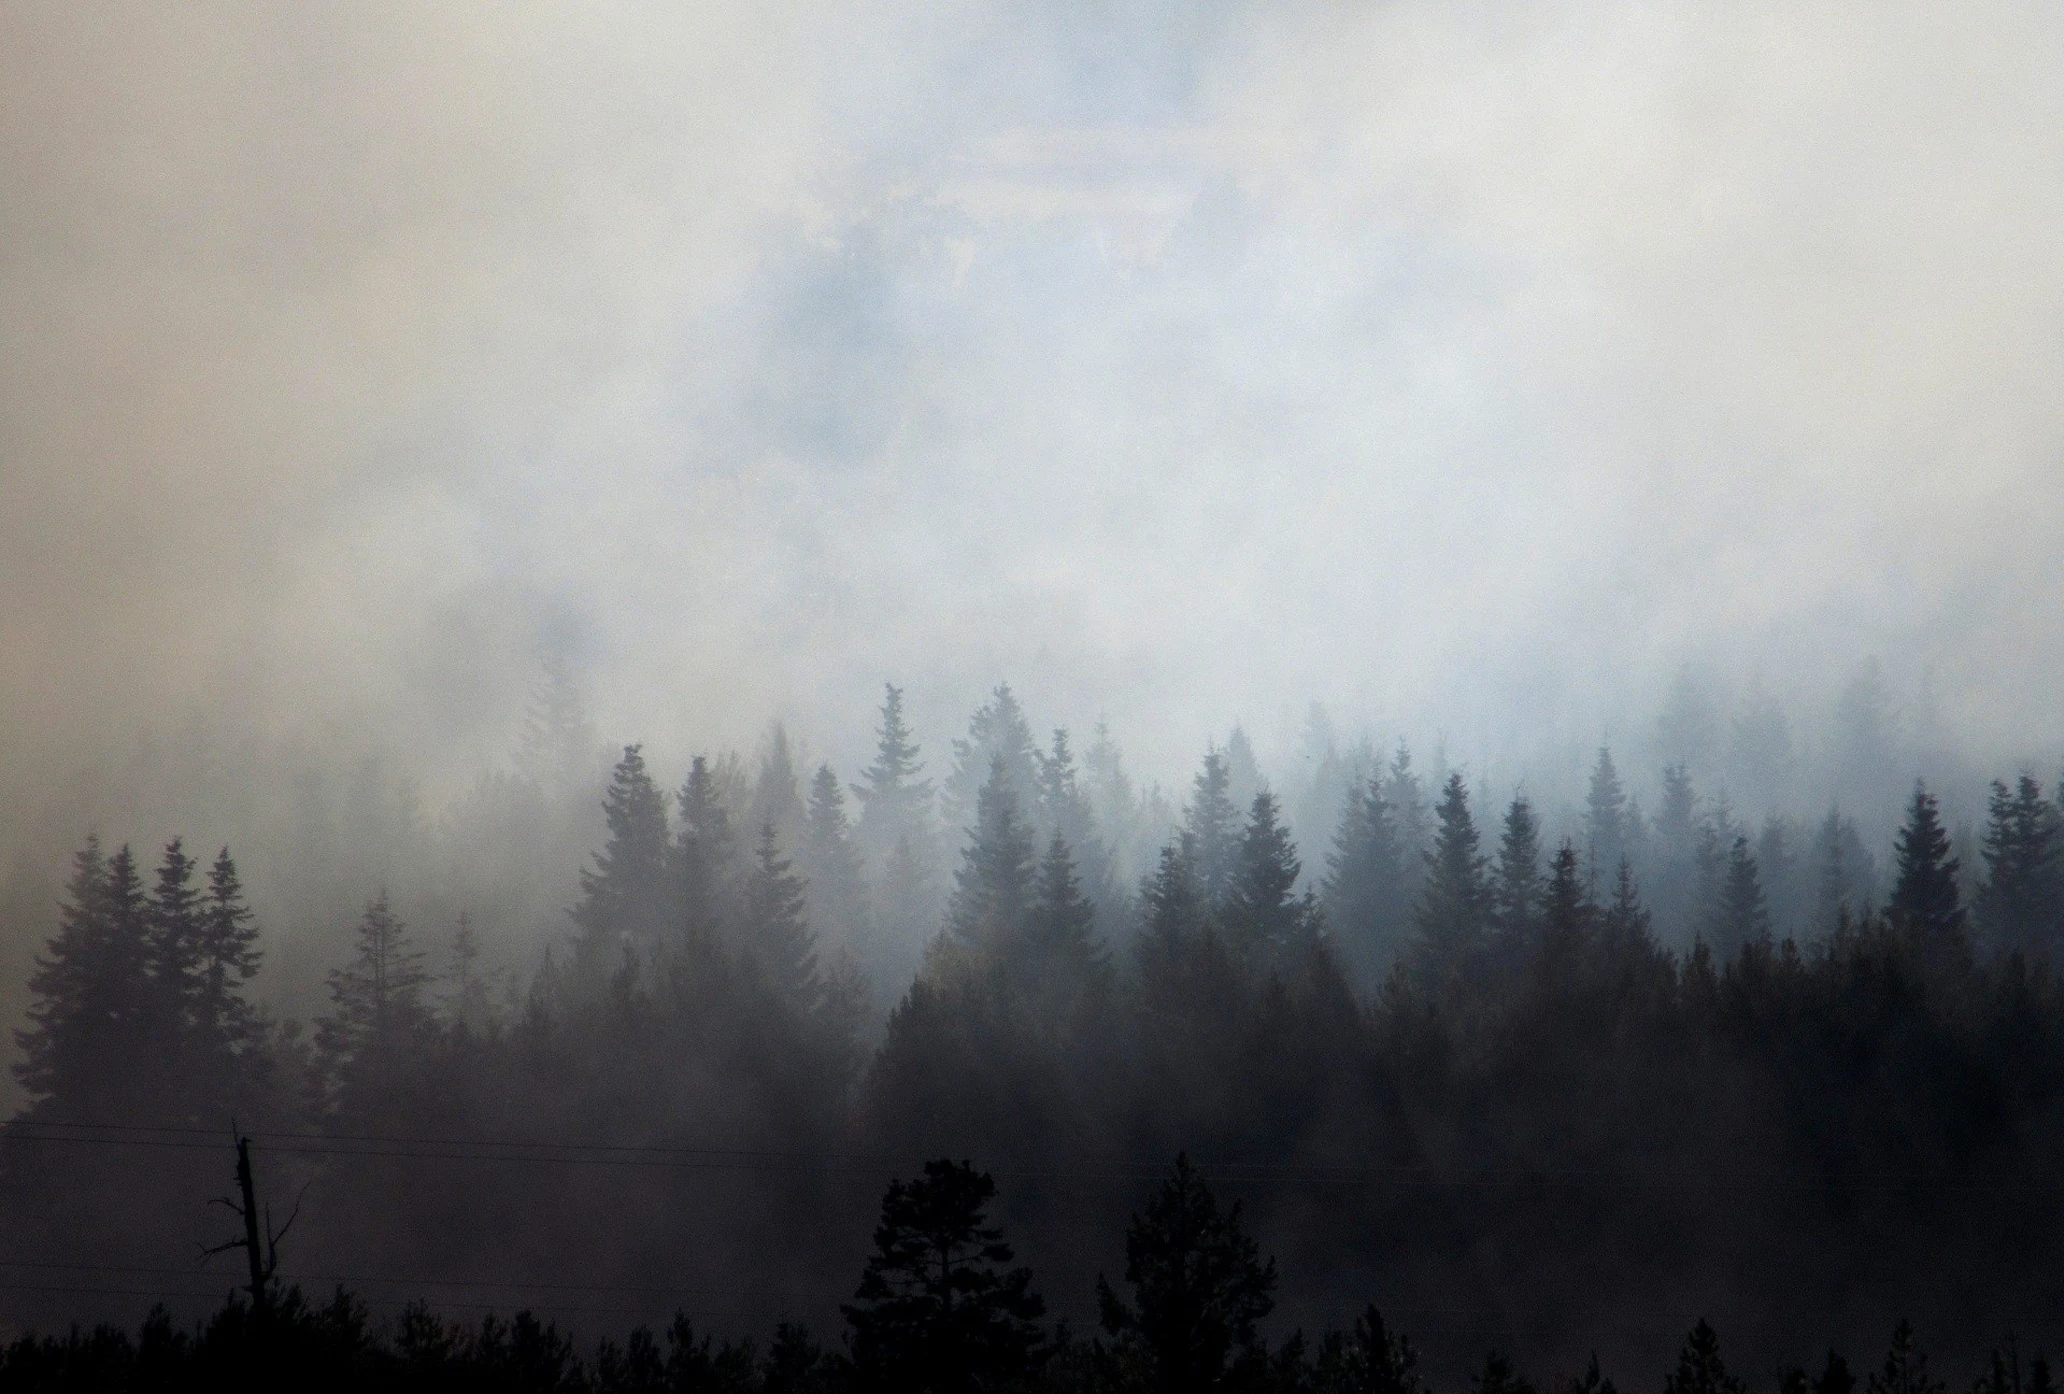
(1468, 366)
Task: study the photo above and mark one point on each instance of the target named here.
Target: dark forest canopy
(1553, 1090)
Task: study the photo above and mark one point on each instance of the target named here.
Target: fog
(1505, 380)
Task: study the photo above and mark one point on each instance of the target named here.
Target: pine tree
(775, 799)
(1517, 883)
(703, 860)
(1566, 911)
(2021, 903)
(776, 931)
(1925, 900)
(377, 1016)
(90, 994)
(1843, 871)
(1498, 1377)
(1905, 1370)
(1606, 821)
(1454, 900)
(624, 897)
(1739, 915)
(1265, 920)
(1062, 965)
(895, 802)
(1407, 800)
(1213, 825)
(1627, 926)
(1064, 810)
(225, 1025)
(558, 741)
(830, 862)
(998, 731)
(992, 890)
(466, 1002)
(1173, 922)
(1199, 1290)
(939, 1307)
(1368, 1359)
(1365, 896)
(174, 953)
(1700, 1370)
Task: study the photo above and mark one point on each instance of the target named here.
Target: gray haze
(1477, 369)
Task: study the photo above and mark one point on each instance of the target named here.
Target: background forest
(1558, 1080)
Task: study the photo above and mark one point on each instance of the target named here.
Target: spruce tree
(775, 933)
(895, 801)
(624, 896)
(1364, 895)
(1566, 911)
(775, 798)
(1739, 915)
(830, 862)
(1062, 965)
(1199, 1291)
(1499, 1377)
(1607, 823)
(2021, 903)
(1925, 900)
(1213, 825)
(465, 1001)
(1516, 885)
(90, 993)
(1627, 924)
(998, 731)
(1905, 1370)
(1065, 810)
(940, 1309)
(992, 890)
(377, 1016)
(1454, 899)
(1406, 797)
(704, 858)
(225, 1024)
(1173, 924)
(1700, 1370)
(1265, 920)
(174, 951)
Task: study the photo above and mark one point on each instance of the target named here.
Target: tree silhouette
(1199, 1289)
(939, 1309)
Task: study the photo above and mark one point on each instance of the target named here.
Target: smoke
(1473, 367)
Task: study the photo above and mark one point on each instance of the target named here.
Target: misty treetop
(1567, 1059)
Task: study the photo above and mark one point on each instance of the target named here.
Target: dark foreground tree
(1199, 1288)
(939, 1307)
(1700, 1370)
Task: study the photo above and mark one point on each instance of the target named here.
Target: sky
(1472, 367)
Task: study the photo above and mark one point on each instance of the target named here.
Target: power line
(406, 1147)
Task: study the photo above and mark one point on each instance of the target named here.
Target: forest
(1547, 1099)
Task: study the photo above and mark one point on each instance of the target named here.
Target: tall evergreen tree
(1365, 894)
(90, 994)
(998, 731)
(992, 890)
(895, 799)
(228, 959)
(1173, 923)
(1265, 919)
(1066, 963)
(940, 1309)
(1925, 899)
(704, 858)
(830, 862)
(1454, 898)
(1516, 885)
(1905, 1370)
(1843, 872)
(377, 1017)
(1065, 810)
(1700, 1370)
(1566, 911)
(174, 952)
(1739, 915)
(1407, 799)
(775, 797)
(1212, 822)
(1607, 825)
(2021, 904)
(624, 896)
(1199, 1292)
(775, 933)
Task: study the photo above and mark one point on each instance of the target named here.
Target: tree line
(1473, 1078)
(942, 1307)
